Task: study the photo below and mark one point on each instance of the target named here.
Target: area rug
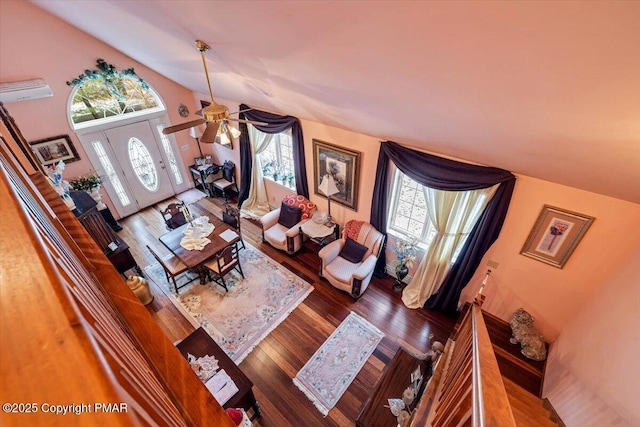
(242, 317)
(191, 196)
(327, 375)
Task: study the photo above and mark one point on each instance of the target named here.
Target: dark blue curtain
(277, 124)
(450, 175)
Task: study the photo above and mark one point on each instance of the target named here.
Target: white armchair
(288, 239)
(352, 277)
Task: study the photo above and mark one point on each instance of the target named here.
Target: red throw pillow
(301, 202)
(235, 415)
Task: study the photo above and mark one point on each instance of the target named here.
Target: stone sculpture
(523, 332)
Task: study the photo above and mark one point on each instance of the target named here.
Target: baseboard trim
(552, 413)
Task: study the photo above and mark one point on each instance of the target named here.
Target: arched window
(106, 95)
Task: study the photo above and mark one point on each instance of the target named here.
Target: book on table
(221, 386)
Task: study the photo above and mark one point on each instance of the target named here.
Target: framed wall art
(556, 235)
(343, 165)
(51, 150)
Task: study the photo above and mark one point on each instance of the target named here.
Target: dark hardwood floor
(276, 360)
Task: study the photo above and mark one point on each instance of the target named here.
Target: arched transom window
(106, 95)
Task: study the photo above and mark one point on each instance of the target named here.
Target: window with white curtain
(408, 216)
(277, 159)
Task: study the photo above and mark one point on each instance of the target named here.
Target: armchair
(281, 227)
(348, 276)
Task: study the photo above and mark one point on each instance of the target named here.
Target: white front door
(137, 153)
(129, 160)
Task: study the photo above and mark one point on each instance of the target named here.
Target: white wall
(593, 372)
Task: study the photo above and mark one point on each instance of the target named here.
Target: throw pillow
(353, 251)
(289, 215)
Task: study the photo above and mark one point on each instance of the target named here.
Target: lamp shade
(328, 186)
(194, 132)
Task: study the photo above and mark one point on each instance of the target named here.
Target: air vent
(24, 90)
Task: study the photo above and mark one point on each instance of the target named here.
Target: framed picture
(343, 165)
(555, 235)
(52, 150)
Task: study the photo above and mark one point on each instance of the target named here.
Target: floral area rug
(327, 375)
(242, 317)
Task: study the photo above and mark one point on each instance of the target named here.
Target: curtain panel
(449, 175)
(277, 124)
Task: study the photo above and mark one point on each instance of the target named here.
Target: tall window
(168, 149)
(277, 159)
(408, 216)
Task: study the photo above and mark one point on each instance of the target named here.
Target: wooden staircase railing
(471, 392)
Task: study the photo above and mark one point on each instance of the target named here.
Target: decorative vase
(140, 288)
(401, 273)
(95, 195)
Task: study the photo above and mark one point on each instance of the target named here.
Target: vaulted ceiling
(546, 89)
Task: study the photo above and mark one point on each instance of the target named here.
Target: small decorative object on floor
(140, 287)
(403, 419)
(523, 332)
(405, 251)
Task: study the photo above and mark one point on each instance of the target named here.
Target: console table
(395, 379)
(199, 344)
(200, 174)
(116, 249)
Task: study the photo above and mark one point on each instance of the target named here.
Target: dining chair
(228, 180)
(172, 267)
(222, 264)
(231, 216)
(173, 215)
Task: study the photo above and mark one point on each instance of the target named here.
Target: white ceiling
(546, 89)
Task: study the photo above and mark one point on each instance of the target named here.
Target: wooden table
(195, 259)
(199, 344)
(395, 379)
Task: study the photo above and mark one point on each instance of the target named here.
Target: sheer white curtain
(453, 214)
(257, 203)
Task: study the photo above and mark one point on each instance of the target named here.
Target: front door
(128, 159)
(137, 152)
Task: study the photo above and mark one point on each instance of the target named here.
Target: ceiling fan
(215, 115)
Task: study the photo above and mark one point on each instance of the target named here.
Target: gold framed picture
(555, 235)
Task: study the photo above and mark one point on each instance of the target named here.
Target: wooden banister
(73, 328)
(471, 392)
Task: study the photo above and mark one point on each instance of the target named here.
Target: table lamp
(328, 188)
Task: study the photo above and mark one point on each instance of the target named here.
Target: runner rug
(242, 317)
(327, 375)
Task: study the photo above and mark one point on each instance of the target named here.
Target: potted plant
(91, 184)
(87, 183)
(405, 251)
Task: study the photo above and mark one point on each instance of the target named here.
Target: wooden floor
(276, 360)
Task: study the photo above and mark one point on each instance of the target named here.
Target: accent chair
(281, 227)
(348, 263)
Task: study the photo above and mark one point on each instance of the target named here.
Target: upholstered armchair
(281, 227)
(348, 263)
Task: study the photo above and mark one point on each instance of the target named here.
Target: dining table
(194, 259)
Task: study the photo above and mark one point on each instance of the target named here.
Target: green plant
(86, 182)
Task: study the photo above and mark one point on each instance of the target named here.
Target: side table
(199, 344)
(200, 174)
(320, 233)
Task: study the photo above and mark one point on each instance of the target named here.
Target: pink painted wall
(593, 375)
(35, 44)
(555, 296)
